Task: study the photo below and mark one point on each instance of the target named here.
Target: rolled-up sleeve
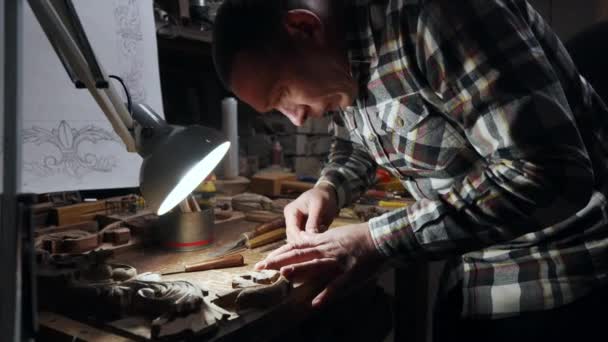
(350, 169)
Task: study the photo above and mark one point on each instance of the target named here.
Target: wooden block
(75, 330)
(71, 241)
(140, 225)
(263, 296)
(117, 236)
(232, 187)
(295, 186)
(200, 322)
(269, 183)
(255, 278)
(72, 213)
(87, 217)
(83, 211)
(88, 226)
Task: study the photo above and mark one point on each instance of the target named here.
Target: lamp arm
(55, 24)
(151, 129)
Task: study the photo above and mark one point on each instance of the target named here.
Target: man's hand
(312, 212)
(343, 255)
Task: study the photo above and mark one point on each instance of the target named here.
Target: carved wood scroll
(90, 284)
(71, 241)
(255, 290)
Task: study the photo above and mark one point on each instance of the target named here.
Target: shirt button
(370, 138)
(399, 122)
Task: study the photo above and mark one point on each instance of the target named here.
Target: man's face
(305, 82)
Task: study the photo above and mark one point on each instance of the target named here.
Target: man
(477, 107)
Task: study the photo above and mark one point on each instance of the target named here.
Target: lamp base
(185, 232)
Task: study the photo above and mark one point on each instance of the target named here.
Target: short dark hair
(246, 25)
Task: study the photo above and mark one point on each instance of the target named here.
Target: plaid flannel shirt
(477, 107)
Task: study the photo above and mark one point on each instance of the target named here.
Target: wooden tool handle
(266, 238)
(261, 216)
(268, 227)
(296, 186)
(392, 204)
(223, 262)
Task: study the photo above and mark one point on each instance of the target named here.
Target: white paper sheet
(68, 144)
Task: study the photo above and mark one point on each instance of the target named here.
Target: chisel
(260, 230)
(234, 260)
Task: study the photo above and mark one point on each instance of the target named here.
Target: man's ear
(304, 24)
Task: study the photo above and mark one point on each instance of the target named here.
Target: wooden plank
(80, 208)
(84, 211)
(78, 331)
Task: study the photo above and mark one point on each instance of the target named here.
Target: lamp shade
(176, 159)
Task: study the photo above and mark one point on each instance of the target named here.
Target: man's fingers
(304, 241)
(314, 217)
(294, 218)
(293, 234)
(331, 290)
(311, 269)
(294, 256)
(280, 250)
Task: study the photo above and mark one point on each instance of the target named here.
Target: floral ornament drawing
(71, 161)
(130, 46)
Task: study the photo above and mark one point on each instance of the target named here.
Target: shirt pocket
(424, 142)
(343, 127)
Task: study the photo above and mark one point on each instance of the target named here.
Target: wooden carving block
(117, 236)
(255, 278)
(88, 226)
(72, 242)
(263, 296)
(72, 213)
(269, 183)
(141, 224)
(172, 325)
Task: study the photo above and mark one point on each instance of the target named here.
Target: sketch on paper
(130, 47)
(70, 159)
(68, 143)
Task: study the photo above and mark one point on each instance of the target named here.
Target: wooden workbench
(263, 324)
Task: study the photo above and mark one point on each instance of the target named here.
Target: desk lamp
(175, 159)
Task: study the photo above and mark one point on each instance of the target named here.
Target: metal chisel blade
(232, 247)
(174, 271)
